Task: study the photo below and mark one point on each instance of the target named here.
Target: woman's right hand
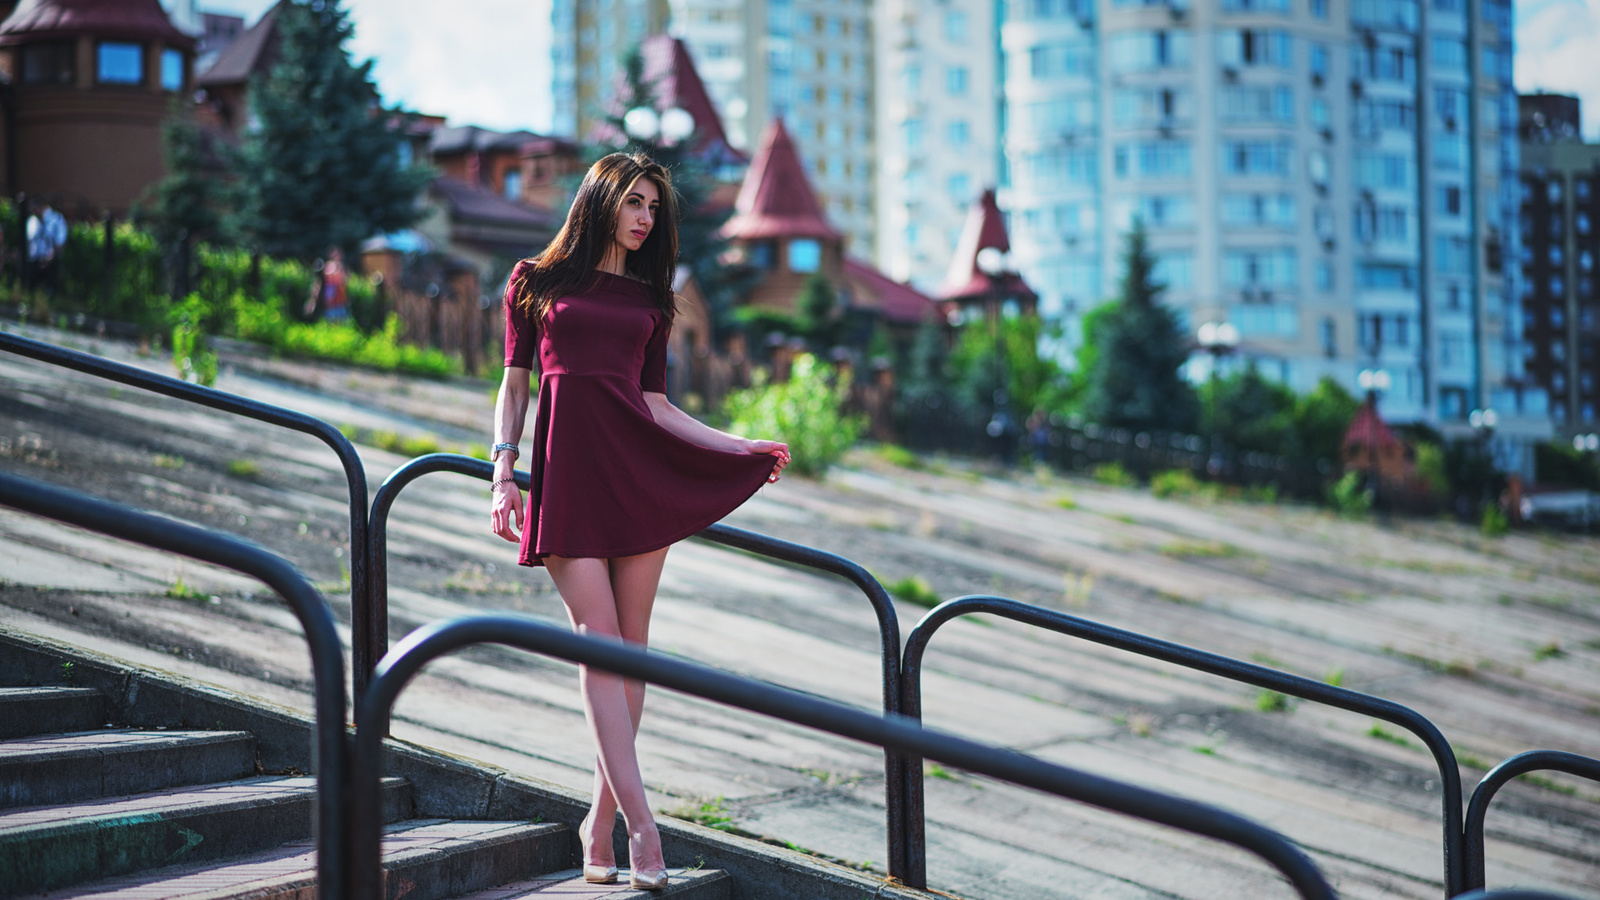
(505, 513)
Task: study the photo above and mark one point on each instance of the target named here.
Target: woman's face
(638, 214)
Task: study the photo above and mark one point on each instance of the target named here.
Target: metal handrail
(327, 660)
(377, 644)
(1178, 654)
(1495, 778)
(1513, 894)
(354, 472)
(889, 731)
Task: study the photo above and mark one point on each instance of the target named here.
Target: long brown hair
(568, 265)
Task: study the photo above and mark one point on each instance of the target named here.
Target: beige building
(589, 40)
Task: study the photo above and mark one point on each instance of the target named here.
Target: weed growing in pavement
(181, 591)
(934, 770)
(710, 813)
(1473, 761)
(1349, 497)
(1065, 501)
(1383, 734)
(1271, 702)
(1549, 785)
(914, 589)
(1078, 589)
(163, 461)
(67, 671)
(896, 455)
(1204, 749)
(243, 468)
(1549, 650)
(1334, 676)
(1206, 549)
(1113, 474)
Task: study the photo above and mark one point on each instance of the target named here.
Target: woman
(618, 472)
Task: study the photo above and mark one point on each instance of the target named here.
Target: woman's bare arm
(695, 431)
(510, 411)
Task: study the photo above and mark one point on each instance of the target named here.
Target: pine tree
(323, 167)
(190, 203)
(1139, 350)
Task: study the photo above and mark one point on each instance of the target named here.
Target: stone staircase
(89, 810)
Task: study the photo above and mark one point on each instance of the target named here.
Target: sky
(487, 62)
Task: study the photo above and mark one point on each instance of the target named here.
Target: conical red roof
(675, 82)
(1368, 428)
(985, 229)
(776, 199)
(134, 20)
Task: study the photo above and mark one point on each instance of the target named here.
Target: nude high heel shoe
(647, 881)
(599, 874)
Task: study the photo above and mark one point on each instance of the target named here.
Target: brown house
(223, 101)
(88, 85)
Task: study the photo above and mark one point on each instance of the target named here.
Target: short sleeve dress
(607, 481)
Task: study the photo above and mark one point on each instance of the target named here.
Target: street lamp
(993, 263)
(671, 126)
(1218, 339)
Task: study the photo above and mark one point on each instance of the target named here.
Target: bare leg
(613, 598)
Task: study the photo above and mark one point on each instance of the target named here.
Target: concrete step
(424, 859)
(688, 884)
(49, 710)
(62, 768)
(47, 847)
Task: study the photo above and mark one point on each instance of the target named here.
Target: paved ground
(1497, 642)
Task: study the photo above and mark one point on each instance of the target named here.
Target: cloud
(479, 62)
(1557, 44)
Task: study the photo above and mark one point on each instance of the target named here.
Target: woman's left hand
(777, 449)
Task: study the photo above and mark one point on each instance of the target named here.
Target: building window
(513, 186)
(959, 187)
(959, 133)
(1319, 61)
(1255, 47)
(1270, 210)
(1255, 158)
(120, 63)
(805, 255)
(1271, 268)
(1450, 200)
(1330, 343)
(955, 26)
(171, 70)
(55, 63)
(1448, 53)
(955, 80)
(1319, 8)
(1553, 190)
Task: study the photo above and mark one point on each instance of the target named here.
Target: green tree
(324, 166)
(819, 313)
(192, 201)
(1250, 412)
(1139, 349)
(1321, 418)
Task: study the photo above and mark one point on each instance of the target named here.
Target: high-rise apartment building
(1336, 178)
(1560, 243)
(938, 125)
(589, 41)
(809, 62)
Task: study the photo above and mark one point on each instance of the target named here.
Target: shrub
(1349, 496)
(1494, 523)
(805, 412)
(192, 355)
(914, 589)
(1175, 483)
(1113, 474)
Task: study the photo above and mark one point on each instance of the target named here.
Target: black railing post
(760, 544)
(1494, 779)
(327, 657)
(355, 474)
(1191, 658)
(891, 732)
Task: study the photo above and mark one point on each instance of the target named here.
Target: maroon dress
(608, 481)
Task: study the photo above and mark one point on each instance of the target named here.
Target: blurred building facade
(939, 118)
(1560, 206)
(588, 41)
(1337, 178)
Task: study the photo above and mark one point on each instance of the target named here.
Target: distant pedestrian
(335, 284)
(47, 235)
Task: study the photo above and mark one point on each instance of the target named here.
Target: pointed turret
(776, 199)
(984, 238)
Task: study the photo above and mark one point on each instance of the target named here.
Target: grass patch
(1113, 474)
(1383, 734)
(1199, 549)
(1271, 702)
(1266, 659)
(1181, 483)
(1204, 749)
(1334, 676)
(896, 455)
(243, 468)
(1065, 501)
(1474, 761)
(163, 461)
(934, 770)
(913, 589)
(181, 591)
(1548, 650)
(1541, 781)
(710, 813)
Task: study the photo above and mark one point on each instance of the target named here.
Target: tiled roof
(985, 228)
(898, 302)
(253, 51)
(1368, 429)
(469, 203)
(130, 19)
(776, 199)
(462, 138)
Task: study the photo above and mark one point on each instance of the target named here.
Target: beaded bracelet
(495, 484)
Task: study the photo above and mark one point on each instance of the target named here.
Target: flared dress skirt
(607, 480)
